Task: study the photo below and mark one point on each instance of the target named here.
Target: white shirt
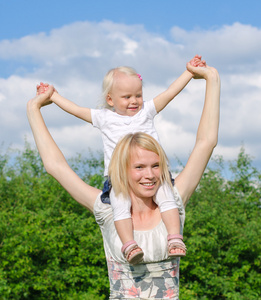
(114, 126)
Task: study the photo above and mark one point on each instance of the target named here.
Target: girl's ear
(109, 100)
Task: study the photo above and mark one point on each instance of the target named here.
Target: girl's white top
(114, 127)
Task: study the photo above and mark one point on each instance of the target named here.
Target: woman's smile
(144, 172)
(148, 184)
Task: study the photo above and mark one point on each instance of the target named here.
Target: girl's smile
(126, 95)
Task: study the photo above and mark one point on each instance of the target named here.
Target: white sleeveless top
(157, 277)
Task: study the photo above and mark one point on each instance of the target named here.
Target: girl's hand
(43, 87)
(42, 99)
(201, 72)
(197, 62)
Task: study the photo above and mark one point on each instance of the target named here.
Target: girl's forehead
(126, 83)
(119, 75)
(122, 77)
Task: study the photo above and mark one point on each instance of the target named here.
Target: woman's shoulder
(101, 211)
(178, 200)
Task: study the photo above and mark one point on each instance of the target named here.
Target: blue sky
(22, 17)
(72, 44)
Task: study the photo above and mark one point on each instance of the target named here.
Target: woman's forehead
(140, 154)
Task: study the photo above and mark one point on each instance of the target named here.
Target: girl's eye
(156, 166)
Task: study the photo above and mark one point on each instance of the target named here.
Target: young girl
(125, 112)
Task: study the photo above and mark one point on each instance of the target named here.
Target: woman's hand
(202, 72)
(42, 99)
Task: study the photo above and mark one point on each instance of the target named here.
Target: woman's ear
(109, 100)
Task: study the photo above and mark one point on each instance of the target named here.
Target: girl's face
(126, 94)
(143, 173)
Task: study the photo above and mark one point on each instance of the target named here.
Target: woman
(140, 171)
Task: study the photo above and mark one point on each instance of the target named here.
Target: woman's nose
(149, 173)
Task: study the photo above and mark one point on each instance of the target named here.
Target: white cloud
(77, 139)
(230, 47)
(76, 57)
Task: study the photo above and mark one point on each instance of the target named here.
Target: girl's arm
(174, 89)
(83, 113)
(53, 159)
(178, 85)
(80, 112)
(207, 134)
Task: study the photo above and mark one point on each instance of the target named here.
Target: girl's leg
(125, 230)
(171, 220)
(122, 216)
(123, 224)
(170, 216)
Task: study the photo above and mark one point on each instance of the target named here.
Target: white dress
(155, 278)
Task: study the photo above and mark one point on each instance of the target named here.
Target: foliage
(51, 247)
(223, 236)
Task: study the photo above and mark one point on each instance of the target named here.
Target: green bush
(51, 247)
(223, 236)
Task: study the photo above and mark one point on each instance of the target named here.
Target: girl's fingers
(42, 88)
(198, 63)
(198, 72)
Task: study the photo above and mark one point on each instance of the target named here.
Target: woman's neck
(145, 214)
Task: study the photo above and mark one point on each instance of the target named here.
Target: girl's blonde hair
(109, 79)
(120, 161)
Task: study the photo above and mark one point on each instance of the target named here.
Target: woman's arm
(207, 134)
(53, 159)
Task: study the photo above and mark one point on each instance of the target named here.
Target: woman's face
(144, 173)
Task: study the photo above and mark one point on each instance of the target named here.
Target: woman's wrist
(33, 105)
(212, 76)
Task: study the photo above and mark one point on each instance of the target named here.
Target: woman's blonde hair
(120, 161)
(109, 79)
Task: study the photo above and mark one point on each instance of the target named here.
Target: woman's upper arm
(83, 193)
(52, 157)
(189, 178)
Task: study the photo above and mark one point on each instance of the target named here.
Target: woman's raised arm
(52, 157)
(207, 134)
